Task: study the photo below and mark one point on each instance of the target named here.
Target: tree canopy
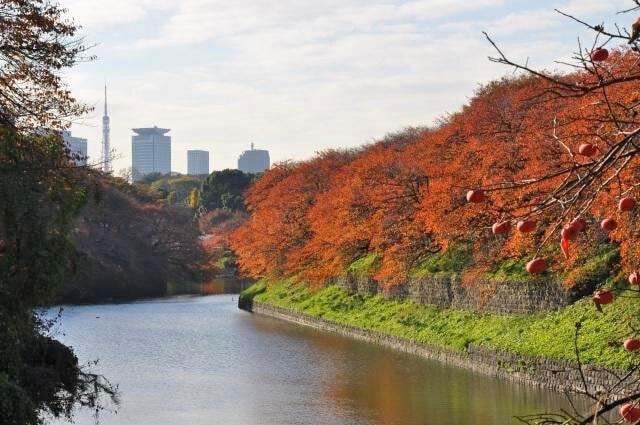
(37, 42)
(41, 192)
(224, 190)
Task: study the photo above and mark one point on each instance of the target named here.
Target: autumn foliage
(407, 196)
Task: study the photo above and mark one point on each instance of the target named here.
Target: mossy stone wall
(448, 291)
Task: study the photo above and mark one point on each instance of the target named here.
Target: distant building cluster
(151, 152)
(254, 161)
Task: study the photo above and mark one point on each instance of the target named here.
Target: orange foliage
(404, 197)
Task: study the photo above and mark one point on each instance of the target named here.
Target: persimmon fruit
(587, 149)
(580, 224)
(569, 232)
(526, 226)
(600, 54)
(476, 196)
(603, 296)
(626, 204)
(501, 228)
(537, 265)
(629, 412)
(631, 344)
(608, 224)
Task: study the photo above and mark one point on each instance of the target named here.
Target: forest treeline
(397, 203)
(128, 230)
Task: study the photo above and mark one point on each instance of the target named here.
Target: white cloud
(98, 14)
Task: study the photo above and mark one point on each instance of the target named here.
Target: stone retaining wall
(552, 374)
(450, 292)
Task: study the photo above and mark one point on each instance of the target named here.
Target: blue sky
(298, 76)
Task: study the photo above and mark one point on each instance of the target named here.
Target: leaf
(564, 245)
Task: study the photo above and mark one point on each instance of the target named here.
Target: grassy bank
(547, 335)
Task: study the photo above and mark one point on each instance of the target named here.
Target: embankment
(533, 349)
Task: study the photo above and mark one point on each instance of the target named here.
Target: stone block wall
(483, 295)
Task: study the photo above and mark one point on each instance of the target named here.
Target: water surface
(200, 360)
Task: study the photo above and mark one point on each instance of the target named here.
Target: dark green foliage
(16, 406)
(134, 238)
(365, 266)
(149, 178)
(140, 193)
(451, 261)
(224, 190)
(40, 194)
(177, 188)
(602, 267)
(245, 300)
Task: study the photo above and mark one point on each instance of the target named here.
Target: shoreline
(556, 375)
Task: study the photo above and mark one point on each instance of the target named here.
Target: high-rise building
(106, 135)
(150, 152)
(197, 162)
(254, 160)
(77, 146)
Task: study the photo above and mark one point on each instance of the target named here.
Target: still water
(198, 360)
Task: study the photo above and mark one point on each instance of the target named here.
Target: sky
(297, 76)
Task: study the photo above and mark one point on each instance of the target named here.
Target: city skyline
(105, 163)
(124, 160)
(104, 158)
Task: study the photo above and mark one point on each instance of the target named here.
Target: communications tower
(106, 145)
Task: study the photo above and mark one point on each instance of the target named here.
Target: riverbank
(537, 348)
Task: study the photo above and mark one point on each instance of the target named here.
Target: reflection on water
(224, 285)
(199, 360)
(216, 286)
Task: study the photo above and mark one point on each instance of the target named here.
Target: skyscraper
(254, 160)
(106, 134)
(197, 162)
(77, 146)
(150, 152)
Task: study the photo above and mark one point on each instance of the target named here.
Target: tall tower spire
(106, 146)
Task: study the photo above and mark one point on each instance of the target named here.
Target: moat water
(198, 360)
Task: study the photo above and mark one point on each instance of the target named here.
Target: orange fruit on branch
(501, 228)
(526, 226)
(603, 296)
(537, 265)
(569, 232)
(629, 412)
(631, 344)
(580, 224)
(608, 224)
(626, 204)
(476, 196)
(600, 54)
(587, 149)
